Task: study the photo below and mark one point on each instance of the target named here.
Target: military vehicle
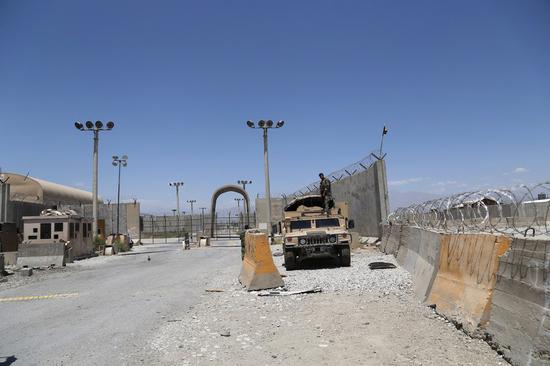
(310, 232)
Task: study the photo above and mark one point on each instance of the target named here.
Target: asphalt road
(108, 307)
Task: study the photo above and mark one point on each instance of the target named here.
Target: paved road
(113, 305)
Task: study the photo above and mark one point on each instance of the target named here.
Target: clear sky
(464, 87)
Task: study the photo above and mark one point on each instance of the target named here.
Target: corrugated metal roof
(34, 190)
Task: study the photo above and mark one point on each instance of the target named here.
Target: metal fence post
(165, 235)
(153, 228)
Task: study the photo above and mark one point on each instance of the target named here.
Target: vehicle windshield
(326, 223)
(297, 225)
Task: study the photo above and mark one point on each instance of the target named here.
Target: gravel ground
(39, 274)
(362, 317)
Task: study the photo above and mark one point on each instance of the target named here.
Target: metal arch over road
(219, 192)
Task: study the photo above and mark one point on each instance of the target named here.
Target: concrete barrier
(37, 255)
(490, 284)
(391, 239)
(466, 277)
(386, 232)
(520, 314)
(418, 253)
(258, 271)
(10, 258)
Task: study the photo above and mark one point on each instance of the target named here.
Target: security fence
(350, 170)
(167, 226)
(522, 210)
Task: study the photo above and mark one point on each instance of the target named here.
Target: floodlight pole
(244, 183)
(120, 162)
(191, 202)
(265, 125)
(94, 184)
(177, 185)
(98, 126)
(267, 185)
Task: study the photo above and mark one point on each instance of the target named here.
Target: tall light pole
(202, 218)
(191, 202)
(120, 162)
(266, 125)
(95, 128)
(244, 183)
(177, 185)
(238, 202)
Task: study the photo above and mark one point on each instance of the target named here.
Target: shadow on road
(148, 252)
(318, 263)
(7, 360)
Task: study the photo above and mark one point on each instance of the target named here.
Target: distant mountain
(404, 199)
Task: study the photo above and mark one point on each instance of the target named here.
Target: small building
(60, 227)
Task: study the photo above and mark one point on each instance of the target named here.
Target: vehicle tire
(345, 257)
(290, 261)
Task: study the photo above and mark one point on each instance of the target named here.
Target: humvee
(309, 232)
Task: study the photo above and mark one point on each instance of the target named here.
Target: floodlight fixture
(110, 125)
(269, 123)
(250, 124)
(98, 125)
(78, 125)
(261, 123)
(89, 124)
(280, 124)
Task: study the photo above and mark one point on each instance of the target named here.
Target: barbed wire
(520, 210)
(350, 170)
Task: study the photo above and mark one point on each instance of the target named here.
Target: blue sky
(463, 86)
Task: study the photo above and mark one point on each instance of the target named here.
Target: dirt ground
(361, 317)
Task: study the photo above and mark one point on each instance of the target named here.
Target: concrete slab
(37, 255)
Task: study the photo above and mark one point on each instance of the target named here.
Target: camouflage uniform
(326, 194)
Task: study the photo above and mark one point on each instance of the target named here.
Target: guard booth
(70, 229)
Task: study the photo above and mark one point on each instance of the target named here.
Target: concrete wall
(37, 255)
(129, 216)
(520, 315)
(367, 196)
(495, 286)
(276, 211)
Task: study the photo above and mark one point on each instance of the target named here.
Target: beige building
(73, 230)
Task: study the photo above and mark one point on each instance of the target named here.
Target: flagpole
(384, 132)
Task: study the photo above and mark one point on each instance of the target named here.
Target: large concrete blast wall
(520, 315)
(367, 196)
(493, 285)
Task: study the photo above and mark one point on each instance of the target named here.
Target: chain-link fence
(350, 170)
(520, 210)
(163, 227)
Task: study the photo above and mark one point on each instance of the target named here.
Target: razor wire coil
(515, 211)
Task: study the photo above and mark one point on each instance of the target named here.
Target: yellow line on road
(40, 297)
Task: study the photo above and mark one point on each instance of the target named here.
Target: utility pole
(265, 125)
(95, 128)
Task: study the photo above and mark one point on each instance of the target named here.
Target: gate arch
(219, 192)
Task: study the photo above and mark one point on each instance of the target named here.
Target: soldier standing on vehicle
(326, 193)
